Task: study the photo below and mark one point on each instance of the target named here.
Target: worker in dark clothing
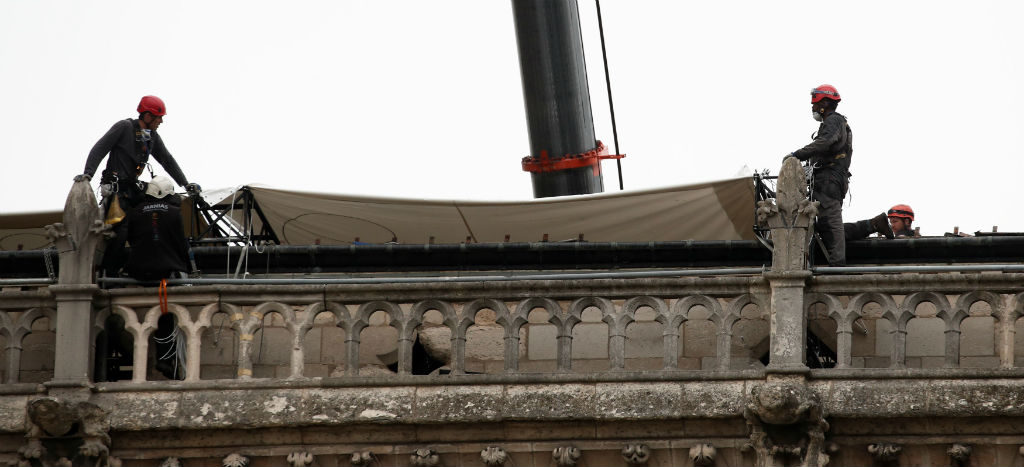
(156, 234)
(893, 223)
(829, 155)
(901, 216)
(130, 143)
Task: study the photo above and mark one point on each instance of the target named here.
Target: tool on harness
(162, 294)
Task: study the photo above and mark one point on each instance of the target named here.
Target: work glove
(193, 189)
(83, 177)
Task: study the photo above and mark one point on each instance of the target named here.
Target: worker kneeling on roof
(156, 234)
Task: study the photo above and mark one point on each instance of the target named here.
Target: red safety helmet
(901, 210)
(153, 105)
(825, 91)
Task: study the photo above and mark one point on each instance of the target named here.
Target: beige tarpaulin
(720, 210)
(25, 231)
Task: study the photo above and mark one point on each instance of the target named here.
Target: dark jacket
(157, 238)
(127, 157)
(832, 148)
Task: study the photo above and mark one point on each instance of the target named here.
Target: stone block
(533, 431)
(638, 401)
(979, 362)
(691, 363)
(590, 365)
(218, 347)
(699, 339)
(748, 335)
(458, 403)
(644, 364)
(932, 362)
(538, 366)
(485, 342)
(977, 336)
(541, 341)
(35, 376)
(864, 337)
(647, 429)
(549, 402)
(272, 346)
(645, 339)
(264, 371)
(332, 345)
(311, 345)
(218, 372)
(316, 370)
(877, 362)
(705, 399)
(883, 338)
(590, 340)
(375, 341)
(436, 340)
(38, 351)
(926, 337)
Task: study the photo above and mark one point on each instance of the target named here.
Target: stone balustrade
(656, 371)
(667, 325)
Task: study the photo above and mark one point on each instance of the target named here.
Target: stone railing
(718, 347)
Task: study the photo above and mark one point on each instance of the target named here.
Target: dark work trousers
(114, 255)
(858, 230)
(829, 191)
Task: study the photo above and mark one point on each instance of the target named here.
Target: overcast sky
(419, 99)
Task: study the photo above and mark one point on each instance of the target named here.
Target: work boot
(880, 224)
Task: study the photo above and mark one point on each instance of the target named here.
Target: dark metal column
(556, 94)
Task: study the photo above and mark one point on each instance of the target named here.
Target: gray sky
(423, 99)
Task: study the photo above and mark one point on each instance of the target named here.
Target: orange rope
(163, 296)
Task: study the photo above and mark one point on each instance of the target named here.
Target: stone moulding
(566, 456)
(703, 455)
(493, 456)
(425, 457)
(636, 454)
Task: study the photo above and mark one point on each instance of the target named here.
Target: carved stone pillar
(790, 219)
(77, 239)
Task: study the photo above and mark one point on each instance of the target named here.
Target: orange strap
(163, 296)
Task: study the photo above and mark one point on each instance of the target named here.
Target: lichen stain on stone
(376, 414)
(276, 405)
(170, 409)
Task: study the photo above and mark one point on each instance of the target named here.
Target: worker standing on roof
(829, 154)
(130, 143)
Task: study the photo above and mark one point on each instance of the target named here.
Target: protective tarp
(720, 210)
(25, 231)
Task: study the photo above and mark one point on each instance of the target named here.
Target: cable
(608, 86)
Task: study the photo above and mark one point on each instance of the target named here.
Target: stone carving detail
(636, 454)
(703, 455)
(566, 456)
(235, 460)
(960, 454)
(766, 209)
(425, 458)
(60, 426)
(300, 459)
(885, 454)
(361, 458)
(786, 421)
(171, 462)
(493, 456)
